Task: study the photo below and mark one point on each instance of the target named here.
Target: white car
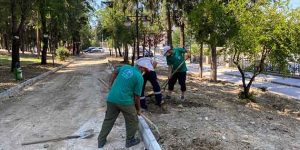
(97, 49)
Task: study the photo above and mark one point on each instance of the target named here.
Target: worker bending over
(150, 75)
(124, 96)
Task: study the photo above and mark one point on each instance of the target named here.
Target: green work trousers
(112, 113)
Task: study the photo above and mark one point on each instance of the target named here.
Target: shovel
(84, 135)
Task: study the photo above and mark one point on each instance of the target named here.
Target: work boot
(182, 98)
(132, 142)
(101, 144)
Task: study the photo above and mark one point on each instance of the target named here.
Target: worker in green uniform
(175, 57)
(124, 96)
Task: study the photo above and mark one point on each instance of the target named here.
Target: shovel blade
(87, 134)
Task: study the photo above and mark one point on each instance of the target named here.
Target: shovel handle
(151, 123)
(52, 140)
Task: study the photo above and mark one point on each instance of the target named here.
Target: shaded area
(30, 65)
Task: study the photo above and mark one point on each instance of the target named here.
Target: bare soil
(213, 118)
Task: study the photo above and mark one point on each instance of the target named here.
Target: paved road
(65, 103)
(274, 83)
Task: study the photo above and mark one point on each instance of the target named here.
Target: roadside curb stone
(16, 89)
(275, 82)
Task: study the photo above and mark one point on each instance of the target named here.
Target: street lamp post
(137, 30)
(128, 24)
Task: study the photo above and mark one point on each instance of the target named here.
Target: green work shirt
(129, 82)
(176, 59)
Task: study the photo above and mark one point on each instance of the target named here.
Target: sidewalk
(268, 78)
(283, 86)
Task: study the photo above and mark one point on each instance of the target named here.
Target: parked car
(97, 49)
(147, 53)
(88, 49)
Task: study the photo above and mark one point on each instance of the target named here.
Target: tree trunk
(201, 61)
(44, 32)
(7, 37)
(38, 42)
(73, 47)
(120, 53)
(149, 44)
(133, 54)
(77, 48)
(182, 36)
(6, 45)
(116, 51)
(22, 41)
(126, 54)
(15, 61)
(137, 30)
(77, 39)
(169, 25)
(213, 63)
(144, 45)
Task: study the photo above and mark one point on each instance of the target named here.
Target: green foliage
(86, 36)
(263, 33)
(62, 53)
(176, 37)
(195, 49)
(210, 23)
(248, 96)
(111, 24)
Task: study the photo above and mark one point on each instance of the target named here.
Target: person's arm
(137, 104)
(170, 68)
(138, 92)
(112, 78)
(169, 63)
(154, 63)
(188, 54)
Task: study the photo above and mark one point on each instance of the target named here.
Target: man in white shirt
(150, 75)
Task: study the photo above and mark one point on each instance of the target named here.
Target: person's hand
(139, 112)
(154, 63)
(170, 76)
(187, 56)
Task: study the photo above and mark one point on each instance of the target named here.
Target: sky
(295, 3)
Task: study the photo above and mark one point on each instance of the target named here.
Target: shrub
(249, 98)
(62, 53)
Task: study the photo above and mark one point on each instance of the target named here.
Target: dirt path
(63, 104)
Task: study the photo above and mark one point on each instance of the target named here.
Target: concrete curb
(148, 137)
(14, 90)
(275, 82)
(282, 95)
(272, 92)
